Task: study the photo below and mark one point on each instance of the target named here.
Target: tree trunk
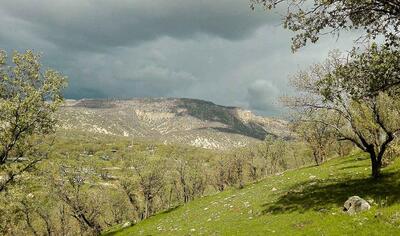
(315, 157)
(91, 223)
(376, 166)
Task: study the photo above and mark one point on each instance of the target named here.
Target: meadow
(307, 201)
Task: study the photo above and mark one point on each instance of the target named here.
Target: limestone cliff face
(171, 120)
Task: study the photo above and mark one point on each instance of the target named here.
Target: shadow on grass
(355, 158)
(332, 193)
(171, 209)
(118, 230)
(355, 166)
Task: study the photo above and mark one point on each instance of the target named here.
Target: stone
(355, 204)
(127, 224)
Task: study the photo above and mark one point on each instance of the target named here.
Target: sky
(216, 50)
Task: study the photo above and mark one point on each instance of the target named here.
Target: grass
(307, 201)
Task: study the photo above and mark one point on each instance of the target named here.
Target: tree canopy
(29, 97)
(311, 19)
(346, 90)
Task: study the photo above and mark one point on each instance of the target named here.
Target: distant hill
(171, 120)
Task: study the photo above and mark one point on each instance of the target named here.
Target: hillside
(307, 201)
(171, 120)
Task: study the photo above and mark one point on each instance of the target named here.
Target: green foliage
(318, 136)
(354, 96)
(367, 73)
(312, 19)
(29, 98)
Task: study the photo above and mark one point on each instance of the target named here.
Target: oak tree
(312, 19)
(355, 111)
(29, 98)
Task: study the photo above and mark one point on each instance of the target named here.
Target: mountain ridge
(171, 120)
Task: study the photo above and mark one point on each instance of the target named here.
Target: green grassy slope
(301, 202)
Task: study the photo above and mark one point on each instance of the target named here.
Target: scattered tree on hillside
(234, 174)
(255, 165)
(273, 151)
(318, 136)
(129, 187)
(29, 98)
(311, 19)
(83, 206)
(151, 182)
(220, 175)
(191, 178)
(344, 89)
(238, 162)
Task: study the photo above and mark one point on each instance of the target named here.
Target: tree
(274, 153)
(83, 205)
(381, 67)
(318, 136)
(237, 164)
(254, 164)
(129, 189)
(151, 182)
(220, 175)
(354, 113)
(190, 178)
(311, 19)
(29, 98)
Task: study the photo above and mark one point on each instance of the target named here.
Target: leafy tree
(190, 178)
(274, 153)
(255, 164)
(220, 175)
(381, 67)
(84, 206)
(128, 186)
(29, 98)
(311, 19)
(151, 181)
(367, 119)
(318, 136)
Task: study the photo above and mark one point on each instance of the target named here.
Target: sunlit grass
(308, 201)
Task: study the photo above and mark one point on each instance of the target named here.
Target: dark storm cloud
(217, 50)
(101, 24)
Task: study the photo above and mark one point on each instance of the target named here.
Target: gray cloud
(100, 24)
(214, 50)
(261, 95)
